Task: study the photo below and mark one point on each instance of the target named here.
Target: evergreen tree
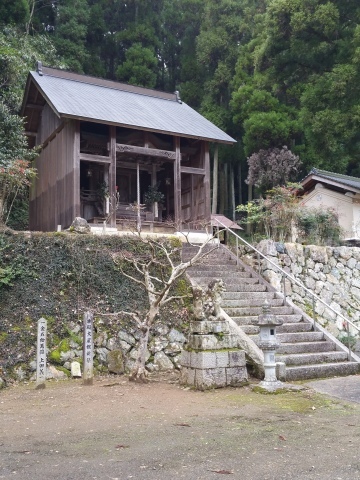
(15, 170)
(139, 67)
(297, 82)
(70, 30)
(18, 54)
(14, 12)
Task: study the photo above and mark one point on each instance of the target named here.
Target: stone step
(187, 247)
(210, 253)
(256, 311)
(251, 330)
(210, 256)
(223, 273)
(300, 337)
(214, 268)
(246, 297)
(256, 302)
(294, 327)
(285, 328)
(308, 358)
(209, 263)
(321, 370)
(228, 280)
(208, 259)
(305, 347)
(251, 319)
(259, 287)
(306, 353)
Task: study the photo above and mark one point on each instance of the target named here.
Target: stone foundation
(213, 369)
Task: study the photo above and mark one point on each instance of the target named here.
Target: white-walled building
(336, 191)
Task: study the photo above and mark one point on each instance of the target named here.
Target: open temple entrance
(152, 179)
(93, 191)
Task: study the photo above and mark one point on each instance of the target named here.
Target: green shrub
(318, 226)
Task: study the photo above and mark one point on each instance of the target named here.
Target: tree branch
(122, 312)
(175, 297)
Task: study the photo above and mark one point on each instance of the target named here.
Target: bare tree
(155, 267)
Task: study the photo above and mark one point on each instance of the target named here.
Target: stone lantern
(268, 343)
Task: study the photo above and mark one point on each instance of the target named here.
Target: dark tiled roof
(80, 96)
(345, 180)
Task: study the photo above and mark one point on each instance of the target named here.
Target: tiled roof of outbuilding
(344, 180)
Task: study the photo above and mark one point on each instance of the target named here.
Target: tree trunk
(139, 373)
(250, 197)
(239, 184)
(226, 190)
(215, 180)
(32, 8)
(232, 192)
(2, 207)
(222, 191)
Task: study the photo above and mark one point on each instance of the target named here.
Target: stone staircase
(306, 353)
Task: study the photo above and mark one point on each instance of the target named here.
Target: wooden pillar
(138, 213)
(177, 183)
(250, 197)
(192, 199)
(215, 180)
(76, 170)
(112, 176)
(206, 155)
(146, 140)
(153, 184)
(153, 175)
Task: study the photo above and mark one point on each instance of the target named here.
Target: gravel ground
(119, 430)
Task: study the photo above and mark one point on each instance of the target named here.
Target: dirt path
(119, 430)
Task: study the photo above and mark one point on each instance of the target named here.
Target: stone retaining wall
(332, 273)
(113, 353)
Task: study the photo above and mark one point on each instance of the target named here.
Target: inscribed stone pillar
(41, 354)
(88, 349)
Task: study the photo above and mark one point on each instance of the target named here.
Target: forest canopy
(271, 73)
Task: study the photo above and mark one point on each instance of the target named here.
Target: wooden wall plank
(206, 194)
(53, 196)
(76, 171)
(48, 124)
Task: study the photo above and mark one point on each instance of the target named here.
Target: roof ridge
(319, 170)
(106, 83)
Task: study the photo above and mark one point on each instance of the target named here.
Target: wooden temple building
(107, 146)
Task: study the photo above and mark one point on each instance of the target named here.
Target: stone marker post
(88, 349)
(41, 354)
